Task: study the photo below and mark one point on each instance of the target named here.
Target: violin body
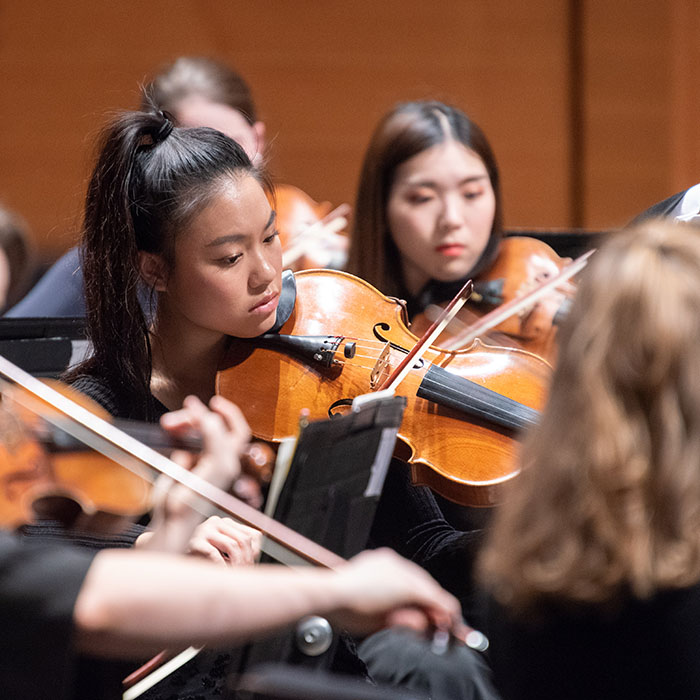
(360, 336)
(522, 264)
(79, 488)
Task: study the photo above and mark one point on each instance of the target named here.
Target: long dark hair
(409, 129)
(150, 179)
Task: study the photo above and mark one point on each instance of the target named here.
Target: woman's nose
(451, 215)
(264, 268)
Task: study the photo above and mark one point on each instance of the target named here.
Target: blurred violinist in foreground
(428, 216)
(66, 609)
(593, 563)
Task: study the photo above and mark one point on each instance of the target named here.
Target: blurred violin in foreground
(46, 472)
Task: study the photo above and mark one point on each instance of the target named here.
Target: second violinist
(429, 216)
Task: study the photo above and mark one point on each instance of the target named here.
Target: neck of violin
(452, 391)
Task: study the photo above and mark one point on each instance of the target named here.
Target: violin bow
(426, 340)
(82, 424)
(514, 306)
(331, 224)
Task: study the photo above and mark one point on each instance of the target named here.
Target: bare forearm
(133, 603)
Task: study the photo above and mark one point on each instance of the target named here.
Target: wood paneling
(323, 74)
(642, 105)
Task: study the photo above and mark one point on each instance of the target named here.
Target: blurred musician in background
(429, 216)
(200, 91)
(17, 258)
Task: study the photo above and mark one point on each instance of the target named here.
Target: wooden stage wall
(592, 106)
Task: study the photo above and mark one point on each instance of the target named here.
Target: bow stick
(418, 350)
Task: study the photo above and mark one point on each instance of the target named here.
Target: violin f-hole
(377, 328)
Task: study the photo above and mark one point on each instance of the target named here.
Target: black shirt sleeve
(409, 520)
(39, 585)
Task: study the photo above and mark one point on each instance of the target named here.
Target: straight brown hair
(407, 130)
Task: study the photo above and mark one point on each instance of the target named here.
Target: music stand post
(330, 495)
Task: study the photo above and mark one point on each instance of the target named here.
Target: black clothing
(398, 657)
(51, 531)
(408, 520)
(644, 650)
(99, 389)
(662, 209)
(38, 588)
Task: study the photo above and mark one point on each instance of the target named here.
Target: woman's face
(198, 111)
(227, 275)
(440, 212)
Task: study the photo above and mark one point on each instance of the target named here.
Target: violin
(344, 338)
(522, 264)
(46, 473)
(83, 425)
(311, 233)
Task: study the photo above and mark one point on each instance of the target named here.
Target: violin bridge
(382, 368)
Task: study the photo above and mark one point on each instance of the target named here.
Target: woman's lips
(266, 305)
(450, 249)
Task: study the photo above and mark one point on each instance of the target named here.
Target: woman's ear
(259, 131)
(153, 270)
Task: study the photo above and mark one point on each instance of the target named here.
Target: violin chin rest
(59, 507)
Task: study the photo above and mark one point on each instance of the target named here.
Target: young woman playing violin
(186, 211)
(429, 216)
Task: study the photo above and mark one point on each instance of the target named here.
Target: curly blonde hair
(608, 502)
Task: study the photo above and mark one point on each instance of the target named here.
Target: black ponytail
(149, 180)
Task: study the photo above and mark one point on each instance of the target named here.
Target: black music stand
(44, 347)
(280, 682)
(330, 495)
(337, 473)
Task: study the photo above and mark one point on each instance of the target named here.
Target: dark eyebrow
(235, 237)
(432, 185)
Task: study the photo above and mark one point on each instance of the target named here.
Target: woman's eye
(419, 198)
(473, 195)
(229, 260)
(271, 237)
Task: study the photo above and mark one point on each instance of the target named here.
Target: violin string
(436, 381)
(372, 345)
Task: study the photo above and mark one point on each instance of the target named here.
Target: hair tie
(165, 129)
